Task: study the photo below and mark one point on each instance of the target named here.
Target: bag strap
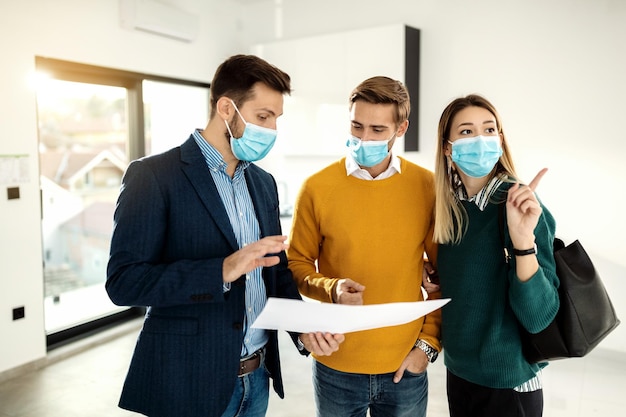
(501, 216)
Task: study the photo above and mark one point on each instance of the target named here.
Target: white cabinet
(325, 69)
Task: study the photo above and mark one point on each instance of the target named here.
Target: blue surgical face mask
(368, 153)
(255, 142)
(476, 156)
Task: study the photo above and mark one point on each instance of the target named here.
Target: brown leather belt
(250, 363)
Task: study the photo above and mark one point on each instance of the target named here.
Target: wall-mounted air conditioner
(158, 18)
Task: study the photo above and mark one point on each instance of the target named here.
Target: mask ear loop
(237, 110)
(228, 128)
(454, 179)
(395, 135)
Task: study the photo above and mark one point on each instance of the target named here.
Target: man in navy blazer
(197, 239)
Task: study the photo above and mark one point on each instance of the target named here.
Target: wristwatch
(523, 252)
(300, 345)
(430, 351)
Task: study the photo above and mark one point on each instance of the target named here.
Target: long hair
(236, 76)
(450, 216)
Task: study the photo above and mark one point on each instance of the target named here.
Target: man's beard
(235, 127)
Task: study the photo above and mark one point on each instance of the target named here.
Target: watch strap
(300, 345)
(524, 252)
(431, 352)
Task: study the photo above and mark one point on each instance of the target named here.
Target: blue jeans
(251, 395)
(341, 394)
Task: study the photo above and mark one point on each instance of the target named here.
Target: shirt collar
(482, 198)
(214, 159)
(352, 168)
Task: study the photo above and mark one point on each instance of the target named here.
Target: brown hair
(384, 90)
(236, 76)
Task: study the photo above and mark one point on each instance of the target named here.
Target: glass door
(83, 137)
(92, 121)
(171, 113)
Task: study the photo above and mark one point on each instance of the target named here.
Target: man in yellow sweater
(361, 227)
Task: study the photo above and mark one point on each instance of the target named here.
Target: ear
(224, 108)
(447, 148)
(402, 128)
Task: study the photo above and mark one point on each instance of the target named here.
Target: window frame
(133, 83)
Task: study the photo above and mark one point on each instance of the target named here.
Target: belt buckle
(259, 354)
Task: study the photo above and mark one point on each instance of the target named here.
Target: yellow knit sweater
(375, 233)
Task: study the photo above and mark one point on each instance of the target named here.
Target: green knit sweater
(480, 332)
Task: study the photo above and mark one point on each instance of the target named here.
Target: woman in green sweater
(478, 198)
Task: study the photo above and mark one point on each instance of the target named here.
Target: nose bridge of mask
(368, 143)
(355, 143)
(476, 145)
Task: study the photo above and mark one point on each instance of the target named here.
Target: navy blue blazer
(170, 238)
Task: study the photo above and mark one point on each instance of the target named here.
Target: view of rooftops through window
(84, 146)
(83, 136)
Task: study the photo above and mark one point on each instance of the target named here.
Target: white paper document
(305, 317)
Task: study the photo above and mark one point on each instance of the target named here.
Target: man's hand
(348, 292)
(253, 256)
(415, 362)
(430, 278)
(322, 344)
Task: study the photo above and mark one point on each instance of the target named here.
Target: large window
(92, 122)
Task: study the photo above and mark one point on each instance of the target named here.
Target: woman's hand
(523, 211)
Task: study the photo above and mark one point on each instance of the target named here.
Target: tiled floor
(87, 384)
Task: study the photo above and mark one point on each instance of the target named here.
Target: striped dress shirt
(238, 204)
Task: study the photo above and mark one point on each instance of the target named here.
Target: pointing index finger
(535, 182)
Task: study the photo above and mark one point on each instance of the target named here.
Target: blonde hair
(450, 216)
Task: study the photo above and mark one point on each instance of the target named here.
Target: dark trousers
(466, 399)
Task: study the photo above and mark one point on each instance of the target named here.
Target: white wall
(554, 69)
(85, 31)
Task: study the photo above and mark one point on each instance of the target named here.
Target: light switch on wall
(13, 193)
(19, 313)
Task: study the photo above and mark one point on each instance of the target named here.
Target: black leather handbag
(586, 315)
